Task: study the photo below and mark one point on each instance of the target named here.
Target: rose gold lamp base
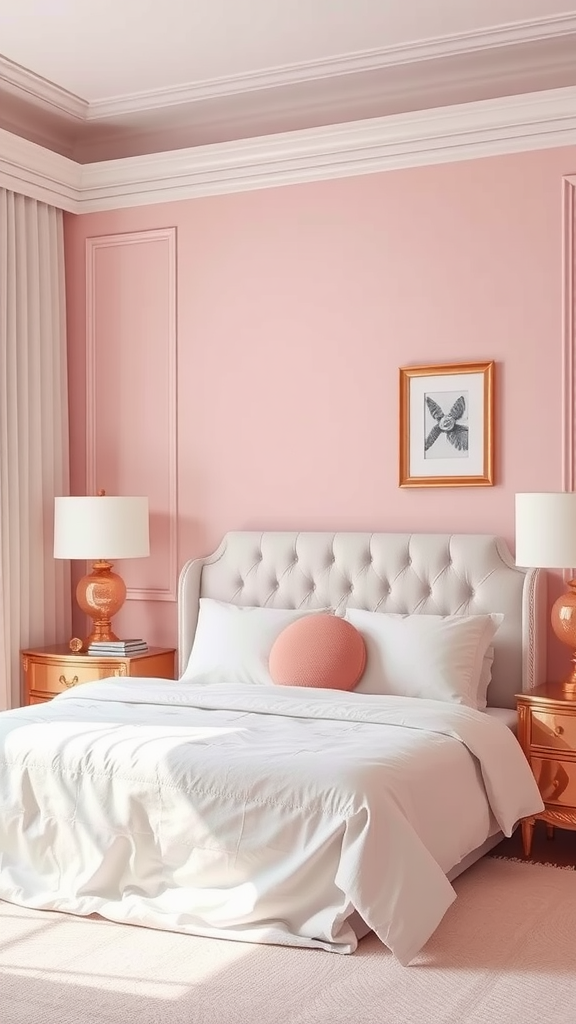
(563, 620)
(101, 595)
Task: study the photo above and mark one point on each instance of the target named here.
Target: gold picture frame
(447, 425)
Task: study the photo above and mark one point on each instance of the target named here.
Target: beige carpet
(505, 952)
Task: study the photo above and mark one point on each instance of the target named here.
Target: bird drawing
(447, 423)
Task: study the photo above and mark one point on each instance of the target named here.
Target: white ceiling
(96, 79)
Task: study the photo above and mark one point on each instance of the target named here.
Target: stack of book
(117, 648)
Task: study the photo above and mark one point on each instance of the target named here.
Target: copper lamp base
(101, 595)
(563, 620)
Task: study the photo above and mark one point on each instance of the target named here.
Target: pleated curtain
(35, 595)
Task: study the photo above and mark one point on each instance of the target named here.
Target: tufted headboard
(440, 574)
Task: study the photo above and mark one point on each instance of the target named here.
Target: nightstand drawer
(46, 678)
(547, 735)
(553, 729)
(556, 780)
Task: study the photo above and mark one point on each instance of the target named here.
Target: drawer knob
(559, 730)
(68, 682)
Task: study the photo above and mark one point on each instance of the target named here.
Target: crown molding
(531, 31)
(37, 172)
(48, 95)
(21, 81)
(442, 135)
(536, 54)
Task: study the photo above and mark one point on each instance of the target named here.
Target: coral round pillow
(318, 650)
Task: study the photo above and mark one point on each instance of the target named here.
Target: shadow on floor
(561, 850)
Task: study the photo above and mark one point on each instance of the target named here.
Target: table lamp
(101, 529)
(546, 538)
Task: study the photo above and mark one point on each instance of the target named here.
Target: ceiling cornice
(39, 173)
(41, 92)
(50, 96)
(443, 135)
(535, 30)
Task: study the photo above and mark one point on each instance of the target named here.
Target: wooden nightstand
(547, 732)
(50, 670)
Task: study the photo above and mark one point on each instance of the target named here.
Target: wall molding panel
(122, 271)
(569, 331)
(511, 124)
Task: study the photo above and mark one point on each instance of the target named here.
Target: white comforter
(248, 813)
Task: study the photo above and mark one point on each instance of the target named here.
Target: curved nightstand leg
(549, 831)
(527, 833)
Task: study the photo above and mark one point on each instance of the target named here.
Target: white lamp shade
(546, 530)
(101, 528)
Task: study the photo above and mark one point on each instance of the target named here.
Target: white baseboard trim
(512, 124)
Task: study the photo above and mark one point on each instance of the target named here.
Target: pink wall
(294, 309)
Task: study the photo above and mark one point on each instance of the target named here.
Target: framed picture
(447, 425)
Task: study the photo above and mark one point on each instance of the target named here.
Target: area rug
(505, 952)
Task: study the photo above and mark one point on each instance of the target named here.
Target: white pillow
(232, 643)
(439, 657)
(486, 675)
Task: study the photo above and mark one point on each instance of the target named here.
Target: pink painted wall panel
(297, 305)
(130, 390)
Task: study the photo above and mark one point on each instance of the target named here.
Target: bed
(277, 814)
